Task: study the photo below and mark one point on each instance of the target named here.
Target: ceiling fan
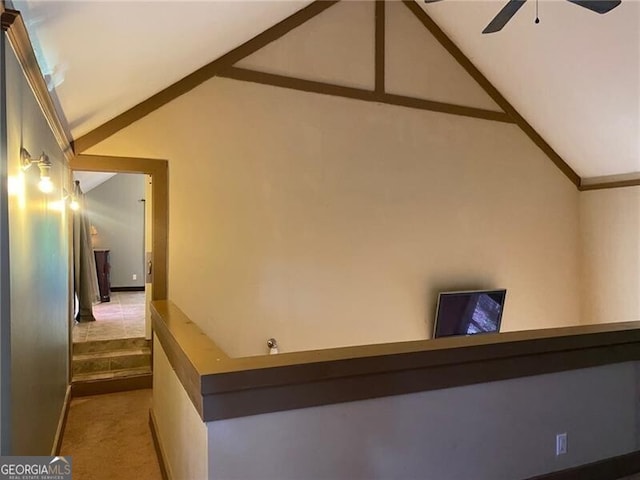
(510, 9)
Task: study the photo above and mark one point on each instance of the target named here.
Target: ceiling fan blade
(598, 6)
(500, 20)
(432, 1)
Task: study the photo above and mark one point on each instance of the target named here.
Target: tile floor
(122, 317)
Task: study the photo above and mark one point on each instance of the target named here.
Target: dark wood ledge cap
(224, 387)
(7, 17)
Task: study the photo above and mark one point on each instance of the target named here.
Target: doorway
(114, 206)
(130, 253)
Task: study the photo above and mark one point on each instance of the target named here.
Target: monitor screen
(469, 313)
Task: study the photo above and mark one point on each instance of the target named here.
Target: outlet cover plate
(561, 444)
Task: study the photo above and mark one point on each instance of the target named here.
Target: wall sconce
(72, 199)
(44, 164)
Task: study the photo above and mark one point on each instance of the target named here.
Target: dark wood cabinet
(103, 268)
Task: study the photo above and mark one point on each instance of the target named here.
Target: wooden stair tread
(128, 372)
(95, 346)
(113, 354)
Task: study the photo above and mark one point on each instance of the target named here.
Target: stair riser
(110, 345)
(111, 364)
(130, 372)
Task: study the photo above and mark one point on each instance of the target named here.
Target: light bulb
(74, 205)
(45, 185)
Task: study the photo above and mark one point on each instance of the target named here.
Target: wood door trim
(158, 169)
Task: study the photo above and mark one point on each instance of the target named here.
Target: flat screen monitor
(469, 313)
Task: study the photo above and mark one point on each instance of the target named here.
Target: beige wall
(610, 225)
(324, 221)
(182, 435)
(492, 431)
(335, 222)
(39, 275)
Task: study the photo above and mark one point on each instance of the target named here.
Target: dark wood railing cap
(225, 387)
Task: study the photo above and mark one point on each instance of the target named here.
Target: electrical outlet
(135, 277)
(561, 444)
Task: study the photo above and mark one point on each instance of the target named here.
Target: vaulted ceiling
(575, 76)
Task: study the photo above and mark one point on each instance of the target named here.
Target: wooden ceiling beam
(492, 91)
(312, 86)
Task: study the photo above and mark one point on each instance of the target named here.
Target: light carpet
(108, 437)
